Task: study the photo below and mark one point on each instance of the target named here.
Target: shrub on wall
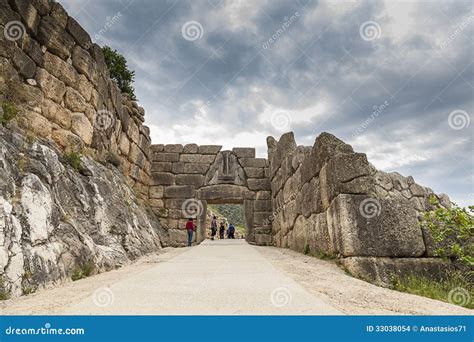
(119, 71)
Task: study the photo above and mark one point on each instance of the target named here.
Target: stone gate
(187, 178)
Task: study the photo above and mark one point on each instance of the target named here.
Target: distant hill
(233, 212)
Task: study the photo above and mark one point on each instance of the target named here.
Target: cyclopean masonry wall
(184, 179)
(60, 83)
(59, 222)
(330, 201)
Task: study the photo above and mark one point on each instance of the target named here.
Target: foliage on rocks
(8, 111)
(453, 231)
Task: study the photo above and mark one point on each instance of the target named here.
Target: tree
(119, 71)
(453, 230)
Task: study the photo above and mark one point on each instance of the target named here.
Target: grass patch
(74, 160)
(4, 294)
(84, 271)
(8, 112)
(455, 288)
(306, 249)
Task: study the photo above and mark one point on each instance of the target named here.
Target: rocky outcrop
(59, 221)
(329, 200)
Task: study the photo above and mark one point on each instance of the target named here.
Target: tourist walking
(191, 228)
(213, 227)
(231, 232)
(222, 231)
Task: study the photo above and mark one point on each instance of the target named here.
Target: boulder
(81, 126)
(244, 152)
(78, 33)
(54, 37)
(52, 87)
(363, 226)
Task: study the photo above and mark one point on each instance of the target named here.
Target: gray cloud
(307, 59)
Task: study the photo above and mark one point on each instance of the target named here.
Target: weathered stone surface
(264, 195)
(195, 168)
(259, 184)
(179, 191)
(56, 113)
(263, 205)
(60, 69)
(59, 14)
(226, 192)
(173, 148)
(197, 158)
(42, 6)
(24, 64)
(196, 180)
(37, 124)
(162, 178)
(244, 152)
(84, 63)
(28, 13)
(54, 37)
(286, 146)
(157, 147)
(209, 149)
(363, 226)
(124, 145)
(52, 88)
(78, 33)
(74, 101)
(382, 271)
(33, 49)
(253, 162)
(67, 140)
(190, 148)
(84, 87)
(255, 172)
(161, 167)
(166, 157)
(81, 126)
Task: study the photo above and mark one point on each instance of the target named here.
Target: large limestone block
(37, 124)
(162, 178)
(184, 179)
(161, 167)
(195, 168)
(67, 140)
(363, 226)
(28, 13)
(52, 87)
(258, 184)
(209, 149)
(74, 101)
(56, 113)
(54, 37)
(318, 235)
(78, 33)
(33, 49)
(82, 127)
(179, 191)
(84, 63)
(197, 158)
(253, 162)
(59, 14)
(383, 271)
(300, 234)
(263, 205)
(346, 173)
(165, 157)
(23, 63)
(244, 152)
(227, 193)
(173, 148)
(285, 147)
(60, 69)
(190, 148)
(255, 172)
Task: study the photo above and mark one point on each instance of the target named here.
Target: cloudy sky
(393, 79)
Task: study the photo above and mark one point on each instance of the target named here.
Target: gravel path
(225, 277)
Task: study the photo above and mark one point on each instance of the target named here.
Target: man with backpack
(213, 227)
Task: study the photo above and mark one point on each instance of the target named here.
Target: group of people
(222, 230)
(191, 228)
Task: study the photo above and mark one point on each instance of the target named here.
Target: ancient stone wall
(186, 178)
(58, 80)
(330, 201)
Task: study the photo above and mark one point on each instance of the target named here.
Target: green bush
(4, 294)
(8, 112)
(119, 71)
(453, 231)
(83, 271)
(73, 159)
(306, 249)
